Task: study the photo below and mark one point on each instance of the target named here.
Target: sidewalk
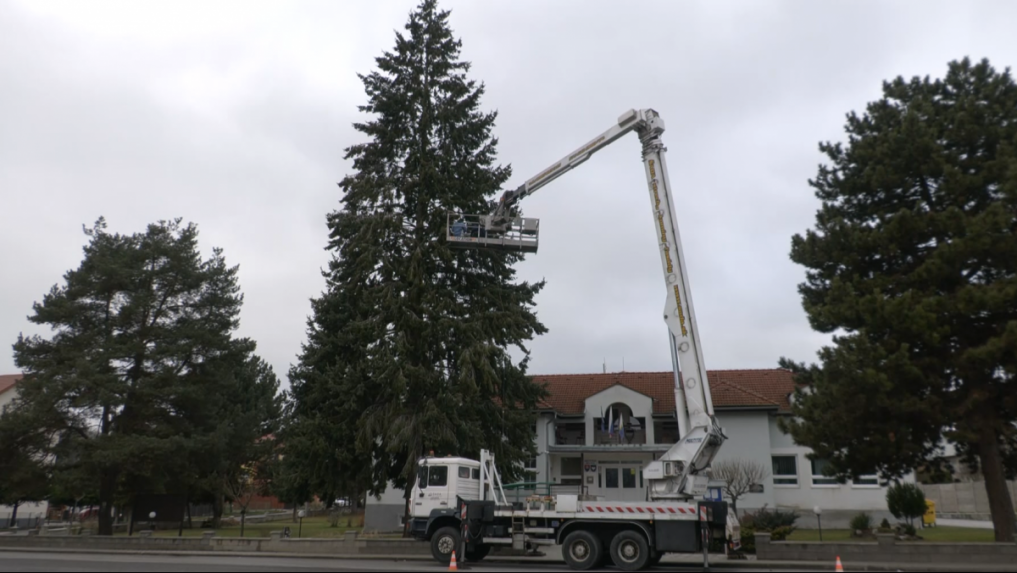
(678, 561)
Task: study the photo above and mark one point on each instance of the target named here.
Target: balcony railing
(634, 437)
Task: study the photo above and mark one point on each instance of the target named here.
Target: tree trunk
(406, 513)
(294, 513)
(1000, 503)
(217, 507)
(107, 488)
(14, 515)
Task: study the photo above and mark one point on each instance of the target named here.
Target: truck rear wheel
(443, 543)
(630, 551)
(582, 550)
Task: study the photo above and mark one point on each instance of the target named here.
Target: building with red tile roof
(731, 389)
(582, 447)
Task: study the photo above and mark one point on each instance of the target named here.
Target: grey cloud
(239, 124)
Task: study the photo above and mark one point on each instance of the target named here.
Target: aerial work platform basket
(492, 232)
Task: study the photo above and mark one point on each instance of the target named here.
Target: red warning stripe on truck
(691, 510)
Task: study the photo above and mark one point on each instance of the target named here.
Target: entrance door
(621, 481)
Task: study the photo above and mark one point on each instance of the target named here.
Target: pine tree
(116, 399)
(408, 347)
(914, 261)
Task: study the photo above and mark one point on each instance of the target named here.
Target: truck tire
(479, 553)
(582, 550)
(443, 543)
(630, 551)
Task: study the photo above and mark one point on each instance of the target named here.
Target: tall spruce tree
(914, 260)
(116, 401)
(408, 347)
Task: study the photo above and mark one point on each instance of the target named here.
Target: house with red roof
(596, 432)
(29, 514)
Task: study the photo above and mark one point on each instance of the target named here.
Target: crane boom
(682, 472)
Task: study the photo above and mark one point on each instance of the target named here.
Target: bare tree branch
(739, 476)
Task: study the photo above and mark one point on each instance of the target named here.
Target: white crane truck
(460, 505)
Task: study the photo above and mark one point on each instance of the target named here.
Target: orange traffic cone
(838, 568)
(452, 564)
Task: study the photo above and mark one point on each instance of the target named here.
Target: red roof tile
(7, 381)
(729, 389)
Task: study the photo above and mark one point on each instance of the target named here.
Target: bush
(748, 539)
(885, 524)
(861, 522)
(781, 533)
(767, 520)
(906, 501)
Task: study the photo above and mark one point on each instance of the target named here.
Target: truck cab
(440, 481)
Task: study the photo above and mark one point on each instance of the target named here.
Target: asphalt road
(30, 561)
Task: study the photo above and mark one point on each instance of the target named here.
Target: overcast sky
(234, 115)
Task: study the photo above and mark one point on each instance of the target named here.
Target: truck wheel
(630, 551)
(443, 543)
(478, 553)
(582, 550)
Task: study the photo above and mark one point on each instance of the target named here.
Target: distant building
(577, 453)
(29, 514)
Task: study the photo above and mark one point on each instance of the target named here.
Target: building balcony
(631, 438)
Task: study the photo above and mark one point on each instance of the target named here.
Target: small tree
(739, 476)
(906, 501)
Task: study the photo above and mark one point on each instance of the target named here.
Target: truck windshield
(434, 476)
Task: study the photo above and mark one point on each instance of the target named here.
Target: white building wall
(749, 439)
(8, 397)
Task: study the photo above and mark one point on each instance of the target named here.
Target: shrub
(885, 524)
(781, 533)
(767, 520)
(748, 539)
(906, 501)
(861, 522)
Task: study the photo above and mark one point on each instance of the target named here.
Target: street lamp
(300, 528)
(819, 520)
(151, 518)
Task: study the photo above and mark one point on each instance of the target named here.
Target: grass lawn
(944, 534)
(313, 527)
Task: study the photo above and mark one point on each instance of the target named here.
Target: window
(629, 478)
(818, 477)
(785, 470)
(611, 477)
(531, 464)
(868, 480)
(464, 472)
(476, 473)
(529, 477)
(571, 466)
(437, 476)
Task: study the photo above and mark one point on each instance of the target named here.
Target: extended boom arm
(682, 471)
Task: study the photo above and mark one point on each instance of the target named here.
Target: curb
(733, 564)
